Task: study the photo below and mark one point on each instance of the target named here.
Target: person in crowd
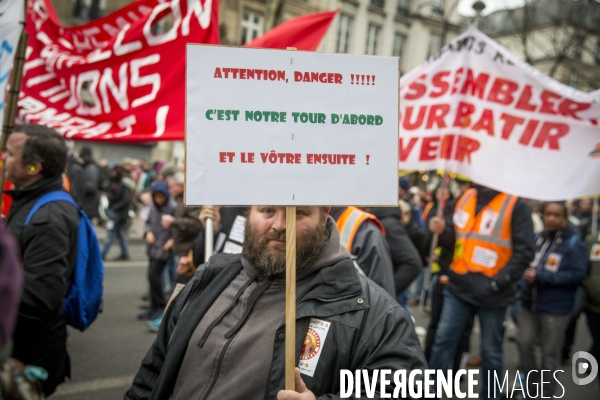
(536, 216)
(159, 244)
(404, 194)
(491, 235)
(119, 202)
(547, 296)
(591, 285)
(228, 237)
(406, 261)
(90, 188)
(184, 225)
(416, 234)
(34, 160)
(363, 235)
(586, 212)
(430, 211)
(76, 176)
(233, 307)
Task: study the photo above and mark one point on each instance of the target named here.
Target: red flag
(116, 78)
(304, 32)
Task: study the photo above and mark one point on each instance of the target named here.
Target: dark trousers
(50, 354)
(155, 271)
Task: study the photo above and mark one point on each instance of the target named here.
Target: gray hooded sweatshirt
(232, 346)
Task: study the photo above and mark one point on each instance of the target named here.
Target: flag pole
(13, 93)
(434, 241)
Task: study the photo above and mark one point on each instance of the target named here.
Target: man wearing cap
(223, 336)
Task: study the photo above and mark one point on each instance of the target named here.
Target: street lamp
(478, 6)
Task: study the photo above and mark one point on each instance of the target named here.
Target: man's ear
(35, 168)
(327, 210)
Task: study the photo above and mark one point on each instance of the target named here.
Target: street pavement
(105, 358)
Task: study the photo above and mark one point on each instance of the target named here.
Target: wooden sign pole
(290, 296)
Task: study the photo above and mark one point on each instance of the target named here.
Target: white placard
(290, 128)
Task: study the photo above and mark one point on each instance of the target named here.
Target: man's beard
(268, 262)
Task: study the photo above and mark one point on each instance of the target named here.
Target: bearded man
(223, 337)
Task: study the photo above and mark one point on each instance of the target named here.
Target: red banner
(115, 78)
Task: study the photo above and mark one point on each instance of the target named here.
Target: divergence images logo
(580, 367)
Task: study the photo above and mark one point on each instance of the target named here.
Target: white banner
(290, 128)
(11, 26)
(477, 110)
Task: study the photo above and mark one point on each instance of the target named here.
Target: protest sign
(290, 128)
(11, 17)
(477, 110)
(117, 78)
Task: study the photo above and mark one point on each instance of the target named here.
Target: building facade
(561, 38)
(410, 29)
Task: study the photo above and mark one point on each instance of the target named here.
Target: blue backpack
(84, 297)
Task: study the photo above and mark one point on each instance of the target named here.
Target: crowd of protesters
(546, 269)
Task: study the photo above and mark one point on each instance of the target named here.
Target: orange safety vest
(483, 241)
(350, 221)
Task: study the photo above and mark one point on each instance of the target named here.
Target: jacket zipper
(221, 357)
(219, 363)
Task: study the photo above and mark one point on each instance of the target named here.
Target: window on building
(89, 9)
(372, 39)
(403, 7)
(378, 3)
(252, 26)
(437, 7)
(343, 34)
(399, 42)
(435, 44)
(574, 79)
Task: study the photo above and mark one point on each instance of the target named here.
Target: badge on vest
(553, 262)
(488, 222)
(460, 218)
(595, 253)
(312, 346)
(484, 257)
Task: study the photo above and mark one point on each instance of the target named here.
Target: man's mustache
(275, 236)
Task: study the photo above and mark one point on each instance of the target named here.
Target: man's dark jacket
(405, 257)
(369, 330)
(477, 289)
(48, 246)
